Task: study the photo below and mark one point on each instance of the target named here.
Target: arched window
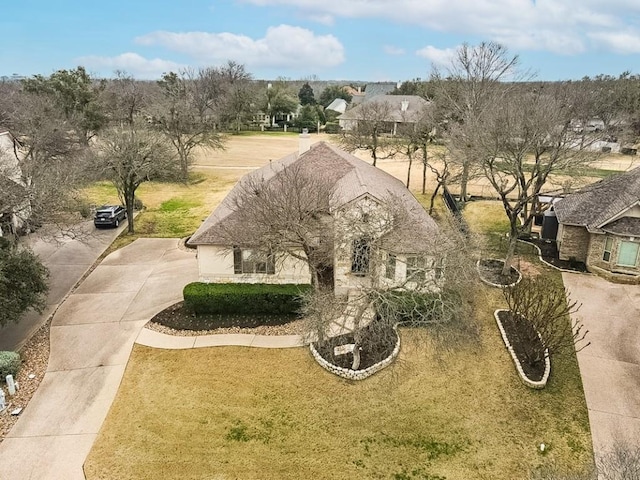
(360, 256)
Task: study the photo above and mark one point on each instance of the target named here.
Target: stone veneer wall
(575, 243)
(610, 270)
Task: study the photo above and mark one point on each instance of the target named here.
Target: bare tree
(130, 156)
(523, 140)
(541, 315)
(239, 95)
(42, 170)
(185, 114)
(433, 293)
(289, 215)
(467, 87)
(126, 99)
(371, 131)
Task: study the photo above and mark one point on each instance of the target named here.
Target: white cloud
(283, 46)
(392, 50)
(619, 42)
(324, 19)
(558, 26)
(131, 63)
(437, 56)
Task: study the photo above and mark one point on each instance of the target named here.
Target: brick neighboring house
(600, 226)
(367, 245)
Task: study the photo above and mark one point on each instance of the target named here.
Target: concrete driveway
(92, 334)
(610, 366)
(67, 260)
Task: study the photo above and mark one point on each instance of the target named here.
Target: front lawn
(232, 412)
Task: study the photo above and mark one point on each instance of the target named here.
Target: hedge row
(244, 298)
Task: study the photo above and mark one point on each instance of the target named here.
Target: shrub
(9, 364)
(332, 127)
(137, 204)
(244, 298)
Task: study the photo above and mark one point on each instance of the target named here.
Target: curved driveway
(92, 334)
(610, 366)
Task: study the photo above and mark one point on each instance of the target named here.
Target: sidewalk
(92, 334)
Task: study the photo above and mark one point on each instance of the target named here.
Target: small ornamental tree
(532, 303)
(23, 282)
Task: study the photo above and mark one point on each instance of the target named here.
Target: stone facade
(574, 244)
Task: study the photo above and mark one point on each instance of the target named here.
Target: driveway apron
(92, 334)
(610, 366)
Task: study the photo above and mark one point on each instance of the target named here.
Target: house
(395, 110)
(14, 203)
(338, 105)
(600, 225)
(369, 245)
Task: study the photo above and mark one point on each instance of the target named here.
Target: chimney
(404, 105)
(305, 141)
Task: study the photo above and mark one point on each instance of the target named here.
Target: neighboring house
(600, 225)
(338, 105)
(368, 245)
(398, 110)
(14, 204)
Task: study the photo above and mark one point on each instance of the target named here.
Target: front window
(628, 254)
(360, 256)
(415, 269)
(608, 245)
(251, 261)
(390, 267)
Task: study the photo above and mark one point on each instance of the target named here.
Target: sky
(373, 40)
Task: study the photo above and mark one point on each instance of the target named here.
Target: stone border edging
(357, 374)
(547, 363)
(545, 262)
(497, 285)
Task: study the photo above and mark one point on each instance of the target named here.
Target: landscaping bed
(375, 347)
(548, 251)
(523, 341)
(490, 271)
(179, 318)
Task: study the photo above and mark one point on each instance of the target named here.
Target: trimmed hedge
(9, 364)
(244, 298)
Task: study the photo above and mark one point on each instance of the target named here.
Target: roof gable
(351, 178)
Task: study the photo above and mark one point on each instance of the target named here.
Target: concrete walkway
(151, 338)
(610, 366)
(92, 334)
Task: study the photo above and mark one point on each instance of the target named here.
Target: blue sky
(372, 40)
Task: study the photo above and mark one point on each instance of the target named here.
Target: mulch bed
(490, 270)
(376, 346)
(178, 317)
(519, 331)
(549, 253)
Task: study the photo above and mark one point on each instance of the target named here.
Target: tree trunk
(129, 202)
(433, 198)
(464, 179)
(424, 170)
(409, 169)
(513, 241)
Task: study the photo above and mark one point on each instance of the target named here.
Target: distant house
(366, 245)
(338, 105)
(397, 109)
(600, 225)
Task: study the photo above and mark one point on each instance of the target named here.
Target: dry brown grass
(234, 412)
(241, 413)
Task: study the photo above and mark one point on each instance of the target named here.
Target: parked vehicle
(109, 216)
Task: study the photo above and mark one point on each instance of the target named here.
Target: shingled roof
(414, 105)
(598, 204)
(352, 178)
